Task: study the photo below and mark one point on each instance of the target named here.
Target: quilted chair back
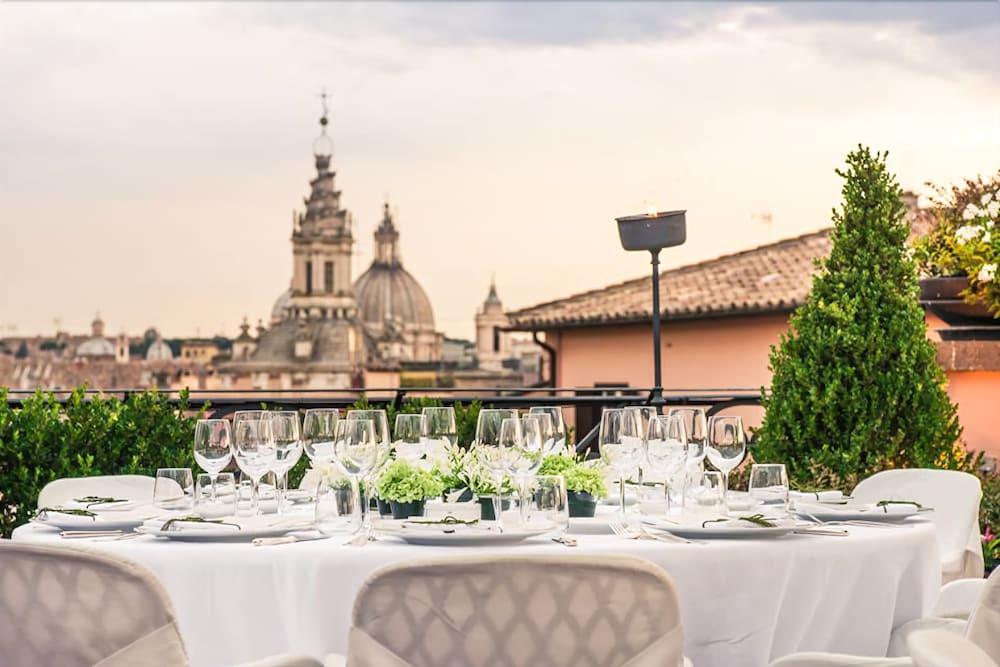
(132, 487)
(984, 623)
(518, 612)
(74, 608)
(955, 498)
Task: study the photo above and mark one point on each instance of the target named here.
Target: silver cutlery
(618, 527)
(564, 540)
(287, 539)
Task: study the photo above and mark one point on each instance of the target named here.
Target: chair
(955, 498)
(133, 487)
(982, 629)
(516, 612)
(940, 648)
(78, 608)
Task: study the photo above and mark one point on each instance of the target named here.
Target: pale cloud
(151, 154)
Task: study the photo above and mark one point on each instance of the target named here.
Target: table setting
(376, 496)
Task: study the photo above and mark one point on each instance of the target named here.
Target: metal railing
(587, 402)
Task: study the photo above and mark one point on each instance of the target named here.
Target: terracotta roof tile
(770, 278)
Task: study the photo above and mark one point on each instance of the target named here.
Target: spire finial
(323, 146)
(324, 120)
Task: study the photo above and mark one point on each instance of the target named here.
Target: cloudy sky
(151, 154)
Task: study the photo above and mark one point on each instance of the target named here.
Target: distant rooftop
(772, 278)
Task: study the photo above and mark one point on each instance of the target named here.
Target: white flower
(993, 208)
(970, 212)
(986, 198)
(987, 273)
(989, 224)
(966, 233)
(987, 236)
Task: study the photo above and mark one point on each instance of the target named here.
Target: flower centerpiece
(584, 482)
(480, 483)
(407, 487)
(961, 252)
(325, 477)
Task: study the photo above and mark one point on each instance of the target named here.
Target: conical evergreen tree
(856, 387)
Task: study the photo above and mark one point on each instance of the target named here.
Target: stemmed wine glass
(356, 449)
(620, 445)
(408, 441)
(528, 457)
(643, 415)
(440, 431)
(696, 430)
(317, 433)
(489, 422)
(666, 450)
(213, 448)
(558, 440)
(498, 456)
(288, 449)
(725, 448)
(380, 424)
(253, 445)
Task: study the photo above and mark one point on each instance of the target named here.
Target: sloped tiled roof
(770, 278)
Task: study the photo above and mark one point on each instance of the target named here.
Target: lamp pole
(654, 232)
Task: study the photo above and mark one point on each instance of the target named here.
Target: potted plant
(407, 487)
(958, 257)
(584, 483)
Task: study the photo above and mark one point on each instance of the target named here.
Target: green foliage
(465, 414)
(579, 476)
(404, 482)
(42, 441)
(856, 387)
(989, 521)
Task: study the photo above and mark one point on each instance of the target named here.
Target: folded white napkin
(817, 496)
(125, 506)
(464, 511)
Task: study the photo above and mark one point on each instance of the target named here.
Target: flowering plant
(405, 482)
(966, 241)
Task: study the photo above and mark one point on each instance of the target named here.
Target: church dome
(388, 293)
(96, 347)
(282, 303)
(158, 350)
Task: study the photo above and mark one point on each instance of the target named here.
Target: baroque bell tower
(322, 240)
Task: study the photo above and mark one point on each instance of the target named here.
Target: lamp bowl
(653, 232)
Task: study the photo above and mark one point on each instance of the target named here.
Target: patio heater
(654, 232)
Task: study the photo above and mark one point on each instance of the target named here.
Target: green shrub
(856, 387)
(90, 435)
(579, 476)
(405, 483)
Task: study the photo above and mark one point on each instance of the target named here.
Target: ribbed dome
(158, 350)
(387, 292)
(96, 347)
(278, 310)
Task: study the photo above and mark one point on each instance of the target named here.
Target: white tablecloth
(743, 603)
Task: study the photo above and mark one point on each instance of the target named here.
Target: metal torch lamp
(654, 232)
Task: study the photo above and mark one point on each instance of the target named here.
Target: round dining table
(743, 602)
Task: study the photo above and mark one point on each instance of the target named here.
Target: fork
(618, 527)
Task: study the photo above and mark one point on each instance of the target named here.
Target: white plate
(460, 536)
(251, 527)
(106, 521)
(593, 525)
(718, 532)
(855, 512)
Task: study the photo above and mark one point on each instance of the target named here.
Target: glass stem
(212, 476)
(725, 492)
(358, 512)
(365, 508)
(498, 504)
(621, 490)
(522, 499)
(282, 488)
(255, 496)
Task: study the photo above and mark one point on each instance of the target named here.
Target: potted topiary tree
(584, 483)
(407, 487)
(856, 387)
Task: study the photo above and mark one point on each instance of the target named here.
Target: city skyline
(506, 137)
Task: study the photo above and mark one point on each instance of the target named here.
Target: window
(309, 277)
(328, 276)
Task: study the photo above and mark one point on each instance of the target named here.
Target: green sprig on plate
(884, 504)
(65, 510)
(756, 519)
(195, 519)
(99, 500)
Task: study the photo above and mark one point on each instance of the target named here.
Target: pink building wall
(732, 353)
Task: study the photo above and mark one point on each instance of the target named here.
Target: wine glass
(554, 412)
(408, 441)
(643, 415)
(696, 429)
(213, 448)
(173, 489)
(380, 424)
(287, 447)
(725, 447)
(498, 457)
(253, 445)
(666, 450)
(317, 433)
(528, 457)
(356, 449)
(489, 422)
(553, 503)
(620, 445)
(769, 486)
(441, 432)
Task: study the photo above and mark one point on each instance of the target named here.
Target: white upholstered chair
(71, 607)
(940, 648)
(955, 498)
(517, 612)
(133, 487)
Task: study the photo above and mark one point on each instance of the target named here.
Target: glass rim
(159, 470)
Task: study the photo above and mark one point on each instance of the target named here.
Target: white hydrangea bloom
(966, 233)
(987, 273)
(986, 199)
(993, 208)
(970, 212)
(987, 236)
